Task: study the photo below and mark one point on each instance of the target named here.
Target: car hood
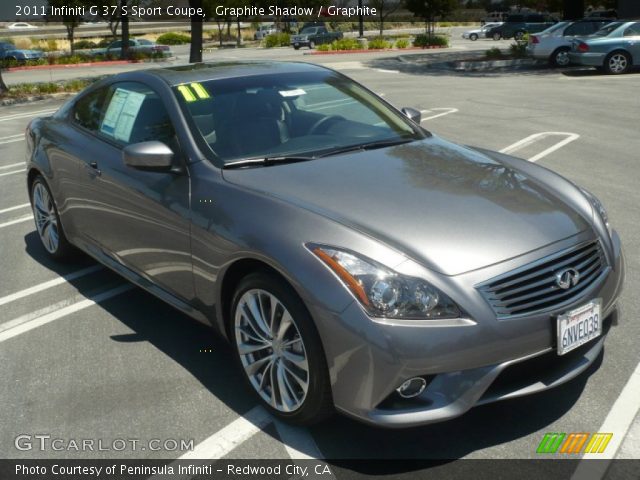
(449, 207)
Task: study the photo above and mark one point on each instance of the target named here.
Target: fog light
(412, 387)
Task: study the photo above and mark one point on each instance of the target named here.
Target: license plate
(579, 326)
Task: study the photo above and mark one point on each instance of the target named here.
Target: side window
(87, 111)
(135, 113)
(117, 44)
(633, 30)
(581, 28)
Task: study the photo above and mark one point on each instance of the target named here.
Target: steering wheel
(323, 122)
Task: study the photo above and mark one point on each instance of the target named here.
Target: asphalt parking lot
(86, 356)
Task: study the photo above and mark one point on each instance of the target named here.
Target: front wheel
(497, 36)
(48, 225)
(279, 350)
(312, 45)
(473, 37)
(617, 63)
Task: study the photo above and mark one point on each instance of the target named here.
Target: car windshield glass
(308, 114)
(309, 31)
(555, 27)
(607, 29)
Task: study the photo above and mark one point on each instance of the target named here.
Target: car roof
(200, 72)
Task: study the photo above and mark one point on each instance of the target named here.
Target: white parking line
(536, 137)
(445, 111)
(12, 138)
(618, 422)
(17, 116)
(17, 207)
(49, 284)
(12, 165)
(13, 173)
(225, 440)
(28, 322)
(17, 220)
(383, 70)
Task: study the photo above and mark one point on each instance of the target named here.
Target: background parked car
(9, 52)
(481, 32)
(615, 48)
(263, 31)
(140, 45)
(518, 24)
(494, 17)
(602, 14)
(554, 43)
(21, 26)
(312, 36)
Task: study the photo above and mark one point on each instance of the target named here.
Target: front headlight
(597, 205)
(384, 292)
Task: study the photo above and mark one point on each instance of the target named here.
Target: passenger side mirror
(152, 156)
(413, 114)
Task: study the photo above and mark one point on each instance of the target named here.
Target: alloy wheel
(271, 350)
(46, 218)
(618, 63)
(562, 58)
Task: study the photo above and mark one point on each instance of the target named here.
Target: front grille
(534, 288)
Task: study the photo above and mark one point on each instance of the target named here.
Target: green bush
(325, 47)
(279, 39)
(518, 49)
(84, 44)
(494, 53)
(402, 43)
(378, 43)
(423, 40)
(173, 38)
(346, 44)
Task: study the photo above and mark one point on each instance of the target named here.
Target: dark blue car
(8, 52)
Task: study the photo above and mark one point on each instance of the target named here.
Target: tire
(473, 37)
(296, 47)
(47, 220)
(497, 36)
(560, 57)
(312, 45)
(518, 36)
(267, 359)
(617, 63)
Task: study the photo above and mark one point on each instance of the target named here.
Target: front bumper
(588, 59)
(466, 364)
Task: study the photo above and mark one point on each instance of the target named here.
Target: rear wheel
(279, 349)
(45, 214)
(617, 63)
(518, 35)
(560, 58)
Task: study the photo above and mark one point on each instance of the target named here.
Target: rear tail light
(583, 47)
(534, 39)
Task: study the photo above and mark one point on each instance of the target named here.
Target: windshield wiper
(368, 146)
(266, 161)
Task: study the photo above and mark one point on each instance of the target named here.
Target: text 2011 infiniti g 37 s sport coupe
(353, 259)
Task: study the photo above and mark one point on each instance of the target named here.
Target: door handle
(93, 169)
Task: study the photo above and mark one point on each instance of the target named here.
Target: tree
(573, 9)
(3, 86)
(429, 10)
(70, 22)
(384, 9)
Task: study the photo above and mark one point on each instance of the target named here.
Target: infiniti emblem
(567, 278)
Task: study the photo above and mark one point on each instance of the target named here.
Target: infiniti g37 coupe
(352, 259)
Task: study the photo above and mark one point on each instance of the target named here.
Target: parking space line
(536, 137)
(17, 207)
(17, 220)
(11, 165)
(223, 441)
(25, 323)
(12, 138)
(445, 111)
(618, 422)
(18, 116)
(49, 284)
(13, 173)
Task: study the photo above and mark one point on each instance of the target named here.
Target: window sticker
(121, 114)
(200, 91)
(292, 93)
(187, 93)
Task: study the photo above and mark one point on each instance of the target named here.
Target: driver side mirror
(151, 156)
(413, 114)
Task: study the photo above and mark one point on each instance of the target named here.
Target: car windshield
(309, 30)
(607, 29)
(305, 114)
